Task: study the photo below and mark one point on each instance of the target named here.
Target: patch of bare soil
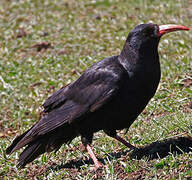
(7, 133)
(36, 171)
(21, 32)
(188, 107)
(136, 175)
(187, 82)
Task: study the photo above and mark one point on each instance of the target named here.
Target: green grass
(82, 32)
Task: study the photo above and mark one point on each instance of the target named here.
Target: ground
(45, 45)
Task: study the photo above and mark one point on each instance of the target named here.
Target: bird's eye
(148, 32)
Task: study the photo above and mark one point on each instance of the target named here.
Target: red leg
(124, 142)
(93, 157)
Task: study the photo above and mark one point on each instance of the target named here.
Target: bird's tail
(31, 152)
(44, 143)
(9, 150)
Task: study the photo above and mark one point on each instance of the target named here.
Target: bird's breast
(134, 96)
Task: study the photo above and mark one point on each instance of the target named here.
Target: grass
(81, 32)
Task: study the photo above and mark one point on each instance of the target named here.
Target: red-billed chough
(108, 96)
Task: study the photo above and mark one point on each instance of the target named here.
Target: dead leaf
(36, 84)
(42, 46)
(21, 33)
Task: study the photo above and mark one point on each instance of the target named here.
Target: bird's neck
(132, 57)
(142, 65)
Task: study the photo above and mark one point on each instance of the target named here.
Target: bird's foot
(96, 167)
(97, 164)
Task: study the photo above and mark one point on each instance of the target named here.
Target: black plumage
(108, 96)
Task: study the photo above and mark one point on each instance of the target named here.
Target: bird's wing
(90, 92)
(56, 99)
(92, 89)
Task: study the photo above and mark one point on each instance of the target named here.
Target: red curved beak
(163, 29)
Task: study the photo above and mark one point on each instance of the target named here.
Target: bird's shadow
(158, 149)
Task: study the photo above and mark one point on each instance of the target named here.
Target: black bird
(108, 96)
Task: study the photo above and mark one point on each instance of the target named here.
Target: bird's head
(147, 36)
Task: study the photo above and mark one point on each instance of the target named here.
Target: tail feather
(41, 144)
(31, 152)
(10, 149)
